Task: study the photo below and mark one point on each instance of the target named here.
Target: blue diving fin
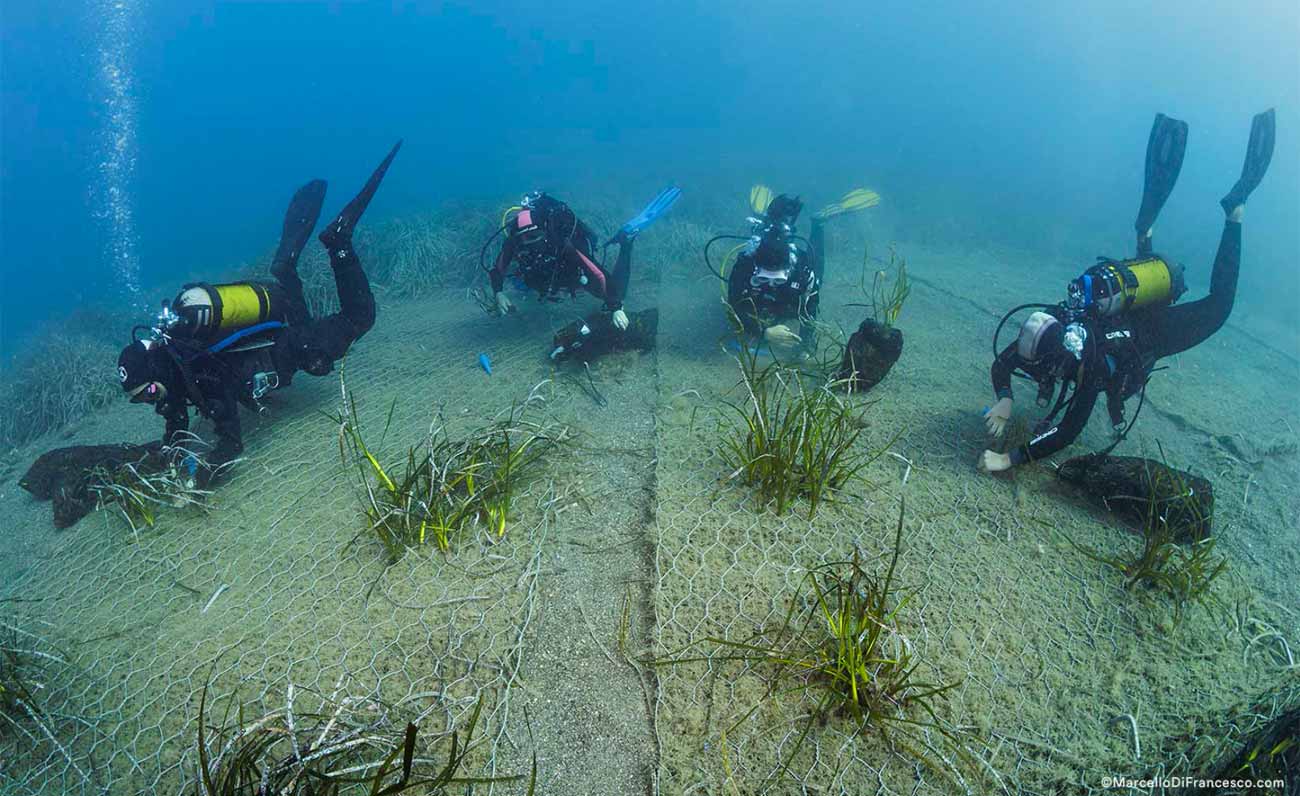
(657, 207)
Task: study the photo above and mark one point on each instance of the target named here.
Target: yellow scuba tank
(211, 311)
(1114, 287)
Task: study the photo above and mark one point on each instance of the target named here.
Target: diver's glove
(504, 304)
(993, 462)
(780, 334)
(620, 319)
(995, 419)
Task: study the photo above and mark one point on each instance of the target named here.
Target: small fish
(485, 363)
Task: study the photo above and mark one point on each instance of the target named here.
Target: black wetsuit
(1118, 356)
(565, 260)
(216, 384)
(798, 299)
(215, 376)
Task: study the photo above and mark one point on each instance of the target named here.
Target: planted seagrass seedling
(138, 490)
(1177, 557)
(340, 744)
(19, 667)
(447, 483)
(27, 664)
(1257, 740)
(791, 439)
(877, 344)
(842, 645)
(887, 295)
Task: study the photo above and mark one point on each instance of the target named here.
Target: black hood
(141, 363)
(784, 210)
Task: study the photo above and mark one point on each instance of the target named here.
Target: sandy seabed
(1049, 649)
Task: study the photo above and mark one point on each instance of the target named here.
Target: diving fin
(657, 207)
(1259, 152)
(857, 199)
(299, 220)
(1165, 148)
(760, 196)
(339, 231)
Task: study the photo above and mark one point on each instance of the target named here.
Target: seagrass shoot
(788, 439)
(447, 484)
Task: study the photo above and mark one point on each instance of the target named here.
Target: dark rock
(1142, 490)
(872, 351)
(63, 475)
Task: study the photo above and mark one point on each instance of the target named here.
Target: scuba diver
(772, 279)
(555, 252)
(217, 346)
(1120, 316)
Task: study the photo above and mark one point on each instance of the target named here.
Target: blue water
(1015, 124)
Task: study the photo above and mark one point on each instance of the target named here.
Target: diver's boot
(1259, 153)
(338, 234)
(299, 220)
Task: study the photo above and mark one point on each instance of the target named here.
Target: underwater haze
(143, 138)
(512, 545)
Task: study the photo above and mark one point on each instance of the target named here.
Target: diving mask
(765, 278)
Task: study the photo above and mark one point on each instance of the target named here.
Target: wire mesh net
(264, 589)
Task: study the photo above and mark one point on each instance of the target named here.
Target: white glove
(995, 419)
(991, 462)
(620, 320)
(781, 335)
(504, 305)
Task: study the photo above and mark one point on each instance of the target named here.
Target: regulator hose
(709, 245)
(483, 251)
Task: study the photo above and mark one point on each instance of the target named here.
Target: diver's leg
(316, 346)
(356, 313)
(356, 302)
(1183, 326)
(299, 221)
(338, 234)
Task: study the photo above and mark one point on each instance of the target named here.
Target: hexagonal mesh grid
(264, 590)
(1050, 650)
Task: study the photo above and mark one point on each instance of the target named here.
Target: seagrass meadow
(597, 630)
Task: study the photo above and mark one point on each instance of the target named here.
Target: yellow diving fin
(851, 202)
(760, 196)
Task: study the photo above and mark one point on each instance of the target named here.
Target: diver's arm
(1000, 373)
(1066, 431)
(177, 416)
(616, 286)
(498, 273)
(230, 441)
(738, 298)
(997, 416)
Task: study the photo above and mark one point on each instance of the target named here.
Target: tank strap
(265, 326)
